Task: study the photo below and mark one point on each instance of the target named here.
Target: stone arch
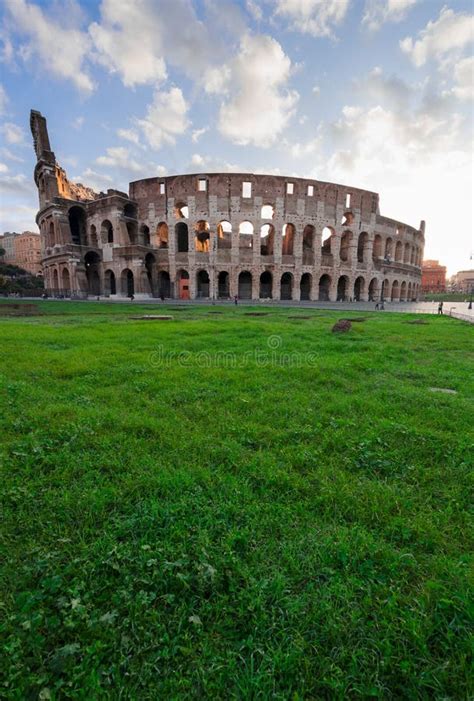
(66, 282)
(342, 288)
(162, 234)
(399, 252)
(395, 293)
(144, 235)
(164, 284)
(182, 237)
(246, 235)
(92, 265)
(182, 281)
(130, 210)
(347, 219)
(110, 286)
(345, 246)
(267, 240)
(150, 262)
(127, 282)
(106, 232)
(362, 246)
(385, 292)
(406, 253)
(55, 280)
(202, 283)
(286, 286)
(93, 242)
(224, 235)
(377, 248)
(51, 238)
(327, 236)
(266, 281)
(288, 239)
(324, 288)
(223, 285)
(373, 289)
(202, 236)
(308, 237)
(267, 211)
(245, 285)
(181, 210)
(132, 231)
(409, 292)
(77, 225)
(359, 288)
(305, 286)
(403, 292)
(389, 247)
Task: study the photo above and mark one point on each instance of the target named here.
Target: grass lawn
(285, 521)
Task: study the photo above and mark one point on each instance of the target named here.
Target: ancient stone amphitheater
(221, 235)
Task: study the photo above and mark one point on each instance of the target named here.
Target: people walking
(440, 308)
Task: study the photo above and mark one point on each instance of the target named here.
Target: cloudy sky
(373, 93)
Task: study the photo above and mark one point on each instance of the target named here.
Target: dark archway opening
(202, 284)
(245, 285)
(223, 285)
(181, 230)
(324, 288)
(266, 281)
(305, 287)
(77, 224)
(286, 286)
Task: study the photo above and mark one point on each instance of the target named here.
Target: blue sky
(372, 93)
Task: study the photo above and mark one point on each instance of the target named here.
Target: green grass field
(228, 506)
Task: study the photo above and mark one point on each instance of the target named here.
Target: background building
(463, 281)
(7, 242)
(27, 247)
(433, 276)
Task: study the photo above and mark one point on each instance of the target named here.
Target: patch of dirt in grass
(256, 313)
(152, 317)
(357, 319)
(299, 316)
(417, 321)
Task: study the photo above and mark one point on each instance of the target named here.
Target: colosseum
(220, 235)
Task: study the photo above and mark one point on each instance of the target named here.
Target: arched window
(202, 280)
(77, 225)
(395, 291)
(164, 284)
(286, 286)
(399, 252)
(181, 231)
(246, 235)
(267, 211)
(224, 235)
(93, 237)
(373, 290)
(359, 288)
(223, 286)
(245, 285)
(362, 245)
(106, 232)
(377, 249)
(92, 265)
(267, 239)
(305, 286)
(324, 288)
(266, 281)
(389, 248)
(109, 283)
(181, 210)
(127, 283)
(326, 238)
(201, 236)
(288, 239)
(345, 246)
(182, 279)
(343, 288)
(162, 234)
(144, 236)
(308, 237)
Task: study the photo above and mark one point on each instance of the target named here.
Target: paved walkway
(459, 310)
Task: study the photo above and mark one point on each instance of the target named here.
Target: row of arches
(328, 288)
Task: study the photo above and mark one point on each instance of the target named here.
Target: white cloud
(307, 148)
(119, 157)
(13, 133)
(389, 91)
(78, 122)
(442, 39)
(132, 39)
(316, 90)
(217, 79)
(419, 164)
(99, 182)
(129, 135)
(203, 164)
(60, 49)
(197, 133)
(165, 119)
(464, 79)
(378, 12)
(315, 17)
(16, 184)
(258, 105)
(3, 168)
(19, 217)
(6, 153)
(254, 10)
(3, 100)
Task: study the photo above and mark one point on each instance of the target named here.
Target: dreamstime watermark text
(272, 354)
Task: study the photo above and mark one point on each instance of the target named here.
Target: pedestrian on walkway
(440, 308)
